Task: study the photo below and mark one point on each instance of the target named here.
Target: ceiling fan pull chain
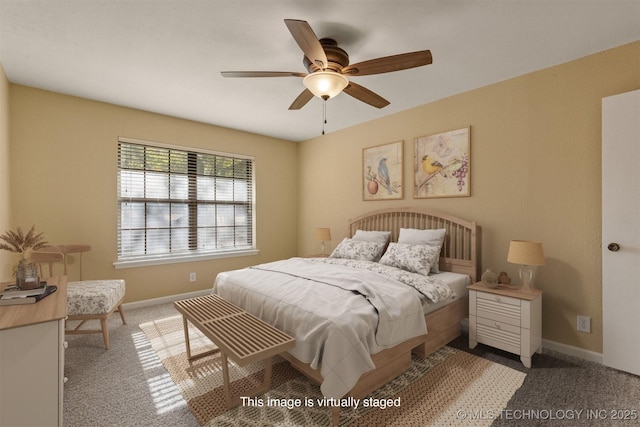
(324, 114)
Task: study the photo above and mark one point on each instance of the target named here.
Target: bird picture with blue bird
(382, 166)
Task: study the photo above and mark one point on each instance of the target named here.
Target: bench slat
(240, 335)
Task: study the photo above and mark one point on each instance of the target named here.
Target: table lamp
(526, 253)
(323, 235)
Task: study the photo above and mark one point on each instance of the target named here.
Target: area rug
(450, 387)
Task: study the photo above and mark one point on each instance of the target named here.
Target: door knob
(613, 247)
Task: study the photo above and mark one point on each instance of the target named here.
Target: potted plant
(17, 241)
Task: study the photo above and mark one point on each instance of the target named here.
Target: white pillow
(358, 249)
(433, 237)
(413, 258)
(373, 236)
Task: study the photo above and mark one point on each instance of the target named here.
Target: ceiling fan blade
(301, 100)
(305, 37)
(363, 94)
(261, 74)
(388, 64)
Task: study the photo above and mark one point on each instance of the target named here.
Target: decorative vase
(27, 275)
(490, 278)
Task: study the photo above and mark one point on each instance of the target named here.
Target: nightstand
(506, 318)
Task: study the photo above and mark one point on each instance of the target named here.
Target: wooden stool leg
(82, 322)
(233, 401)
(225, 378)
(192, 357)
(335, 416)
(266, 383)
(124, 322)
(186, 337)
(105, 333)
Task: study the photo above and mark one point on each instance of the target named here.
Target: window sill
(147, 261)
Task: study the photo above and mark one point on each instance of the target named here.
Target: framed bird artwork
(382, 172)
(442, 165)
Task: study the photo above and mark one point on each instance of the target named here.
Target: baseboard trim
(570, 350)
(163, 300)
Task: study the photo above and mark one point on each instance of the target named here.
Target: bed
(314, 299)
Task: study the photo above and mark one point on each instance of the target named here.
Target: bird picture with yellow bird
(430, 165)
(442, 165)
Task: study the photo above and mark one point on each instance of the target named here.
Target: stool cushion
(94, 296)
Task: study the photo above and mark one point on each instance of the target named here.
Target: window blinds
(174, 201)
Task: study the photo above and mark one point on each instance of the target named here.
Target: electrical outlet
(584, 324)
(192, 277)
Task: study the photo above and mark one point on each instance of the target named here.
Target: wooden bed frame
(459, 255)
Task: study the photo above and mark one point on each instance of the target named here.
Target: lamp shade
(525, 252)
(325, 84)
(323, 234)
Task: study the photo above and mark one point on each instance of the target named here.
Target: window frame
(191, 254)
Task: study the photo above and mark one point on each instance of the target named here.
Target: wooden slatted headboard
(459, 252)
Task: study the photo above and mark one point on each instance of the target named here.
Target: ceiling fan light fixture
(325, 84)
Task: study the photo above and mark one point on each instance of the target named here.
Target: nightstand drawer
(499, 308)
(499, 335)
(499, 299)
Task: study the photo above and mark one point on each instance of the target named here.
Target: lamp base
(526, 275)
(527, 288)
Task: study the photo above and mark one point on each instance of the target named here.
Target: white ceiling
(166, 56)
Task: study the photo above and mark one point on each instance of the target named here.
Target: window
(176, 203)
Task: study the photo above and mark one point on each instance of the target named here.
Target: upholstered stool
(94, 299)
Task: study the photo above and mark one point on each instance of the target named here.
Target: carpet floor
(437, 390)
(129, 386)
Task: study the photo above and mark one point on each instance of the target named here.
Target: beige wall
(535, 171)
(6, 258)
(63, 158)
(535, 174)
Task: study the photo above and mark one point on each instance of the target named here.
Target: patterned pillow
(433, 237)
(413, 258)
(358, 249)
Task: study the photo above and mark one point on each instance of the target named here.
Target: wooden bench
(239, 335)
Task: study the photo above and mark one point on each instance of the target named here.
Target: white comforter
(338, 315)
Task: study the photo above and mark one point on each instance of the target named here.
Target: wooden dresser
(32, 360)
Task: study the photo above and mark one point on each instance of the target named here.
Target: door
(621, 231)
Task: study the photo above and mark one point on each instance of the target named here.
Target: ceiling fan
(329, 69)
